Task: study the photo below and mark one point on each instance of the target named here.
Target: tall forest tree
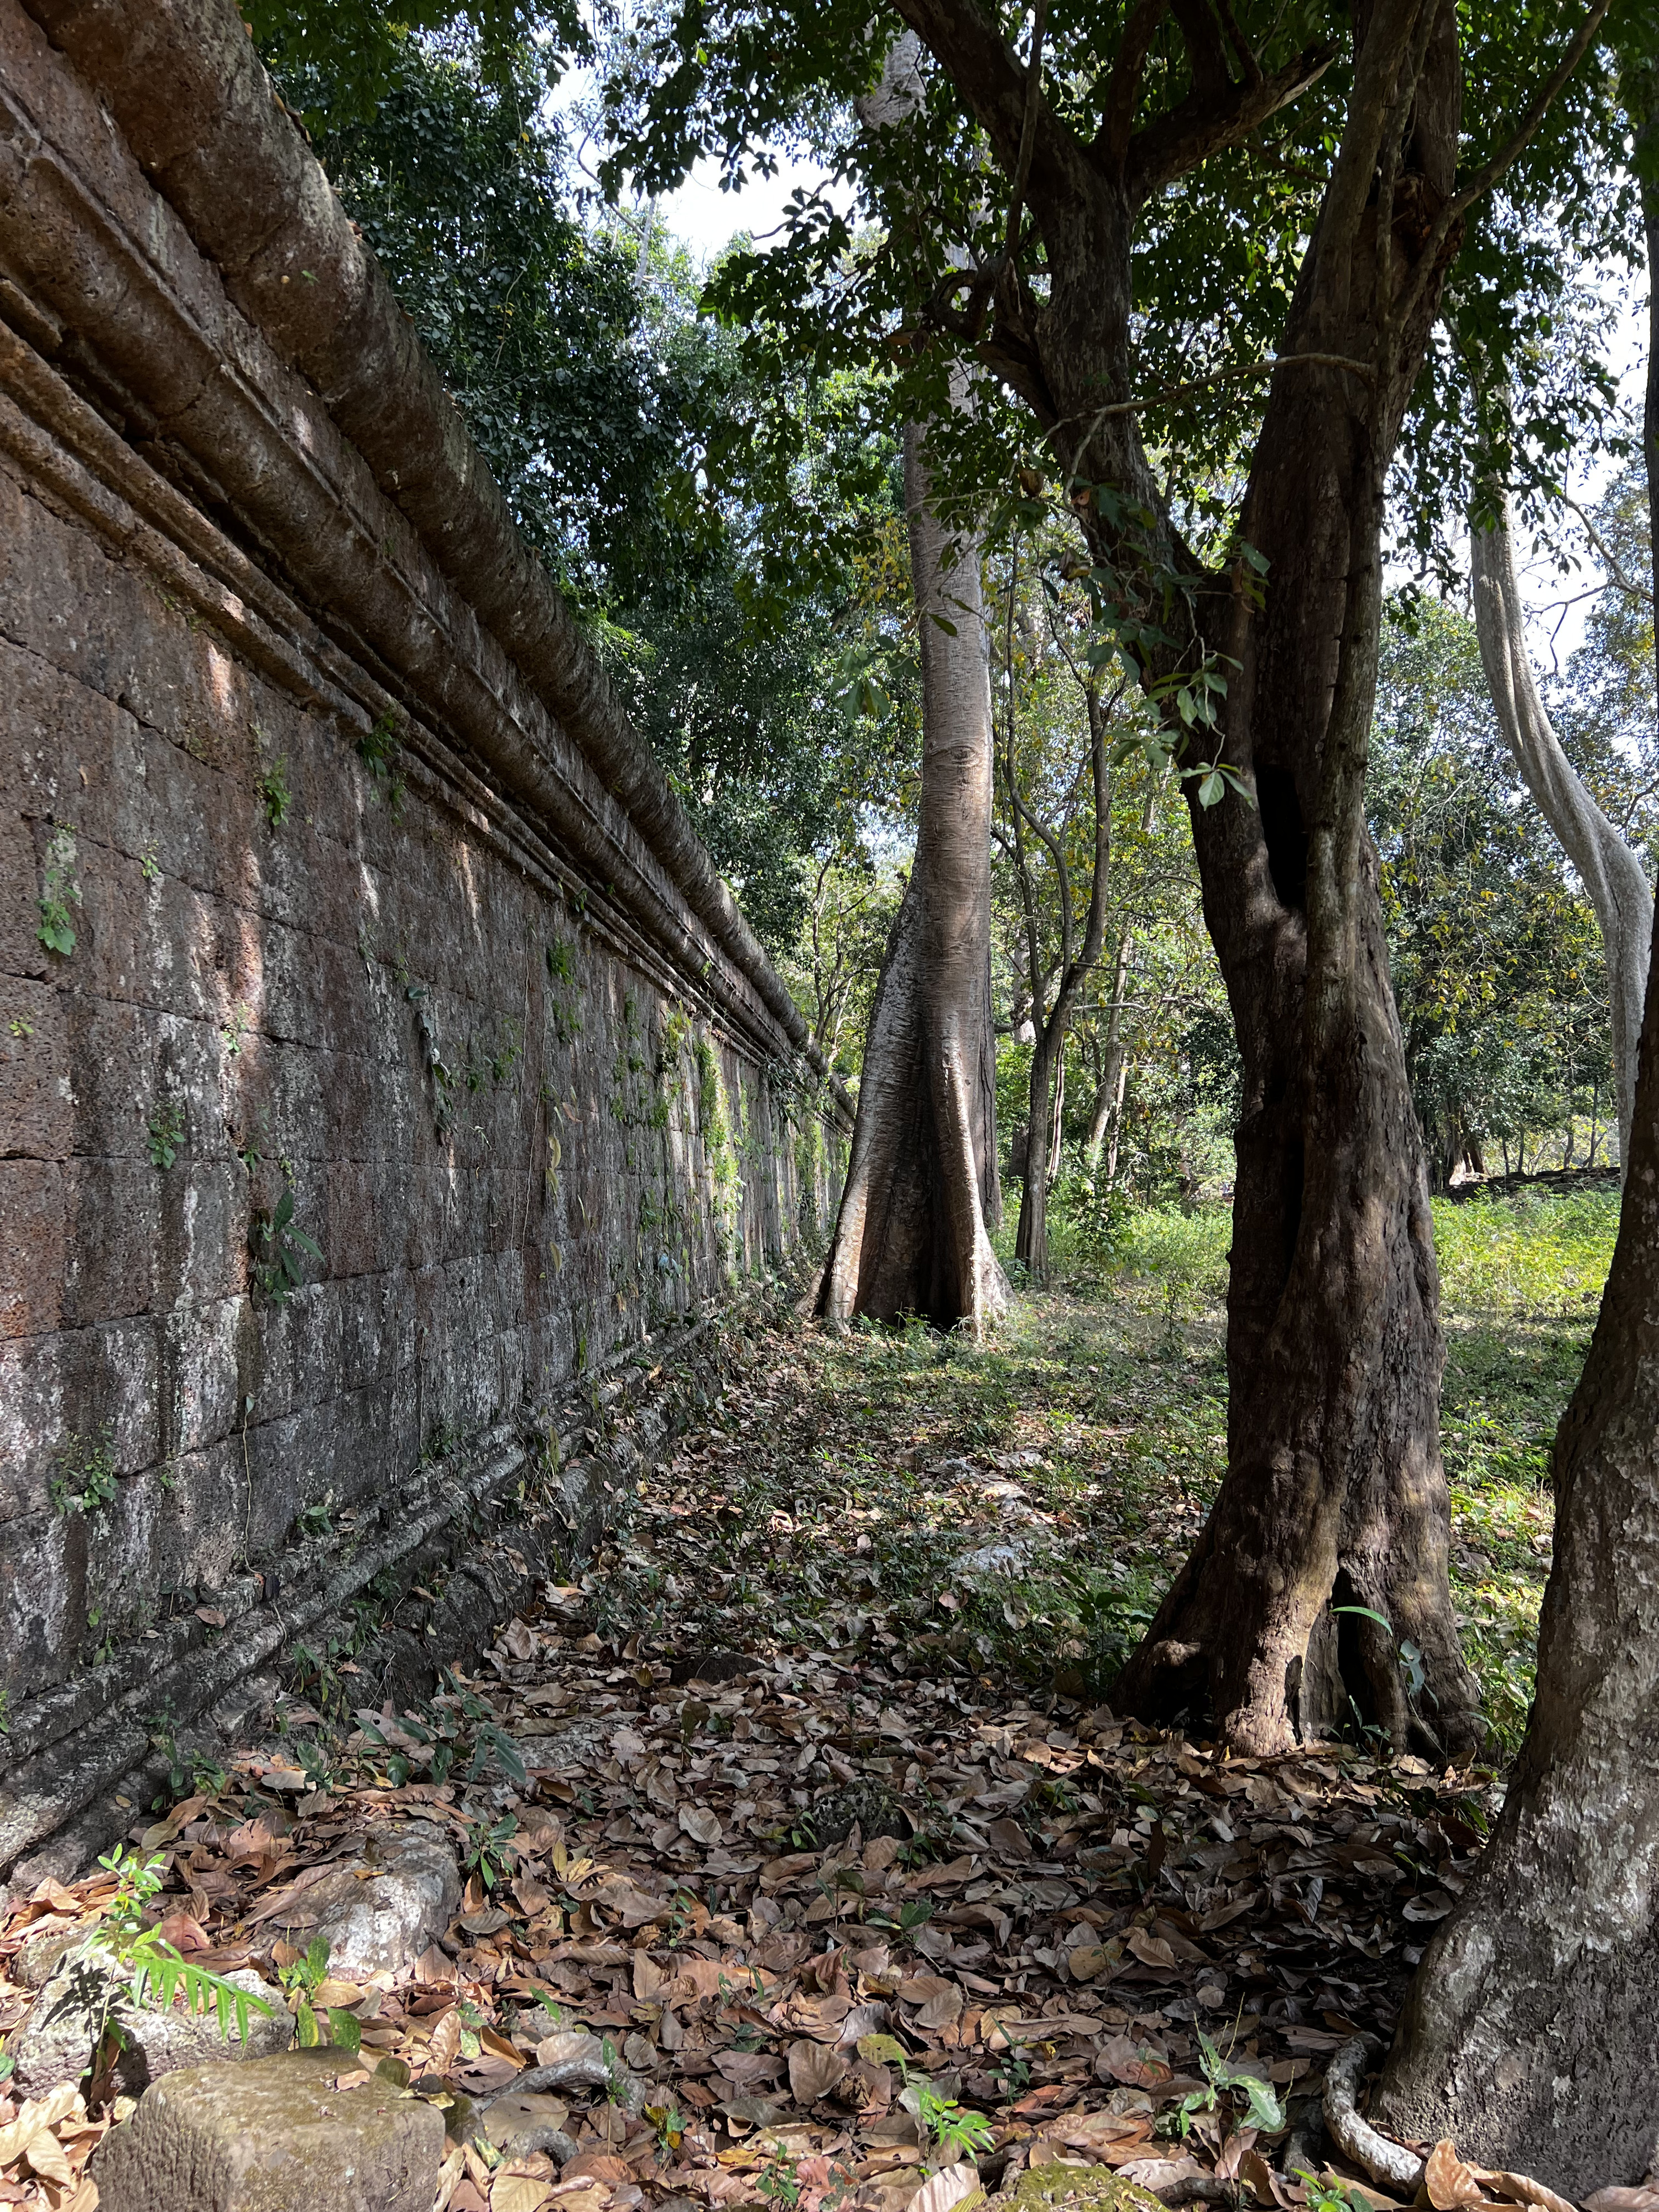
(1529, 2031)
(1058, 848)
(911, 1235)
(1611, 872)
(1334, 1491)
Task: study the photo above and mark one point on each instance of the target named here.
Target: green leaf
(1366, 1613)
(344, 2030)
(1211, 789)
(1262, 2107)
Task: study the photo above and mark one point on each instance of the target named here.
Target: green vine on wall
(379, 748)
(278, 1249)
(60, 893)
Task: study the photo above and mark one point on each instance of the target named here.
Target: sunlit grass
(1535, 1253)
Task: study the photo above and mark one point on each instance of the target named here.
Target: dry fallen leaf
(950, 2186)
(814, 2071)
(519, 2192)
(1150, 1950)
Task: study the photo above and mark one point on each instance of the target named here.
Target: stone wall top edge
(200, 117)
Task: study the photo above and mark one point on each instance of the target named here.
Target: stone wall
(378, 1063)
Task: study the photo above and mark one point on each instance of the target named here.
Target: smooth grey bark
(1047, 1092)
(1612, 874)
(921, 1183)
(912, 1235)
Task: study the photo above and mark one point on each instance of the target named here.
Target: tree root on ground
(581, 2069)
(1388, 2163)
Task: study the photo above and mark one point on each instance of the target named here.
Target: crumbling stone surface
(380, 1921)
(55, 2043)
(439, 993)
(276, 2134)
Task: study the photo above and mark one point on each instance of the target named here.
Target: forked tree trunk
(1335, 1495)
(1528, 2033)
(1610, 871)
(921, 1182)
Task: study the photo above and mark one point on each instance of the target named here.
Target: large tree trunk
(1528, 2033)
(1334, 1489)
(1610, 871)
(1335, 1495)
(921, 1181)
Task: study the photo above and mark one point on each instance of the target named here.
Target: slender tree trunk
(921, 1182)
(1335, 1494)
(1114, 1140)
(1108, 1099)
(1032, 1231)
(1048, 1085)
(1610, 871)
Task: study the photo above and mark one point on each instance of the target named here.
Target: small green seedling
(1410, 1654)
(1325, 2193)
(957, 2133)
(159, 1971)
(489, 1849)
(302, 1978)
(777, 2181)
(1221, 2078)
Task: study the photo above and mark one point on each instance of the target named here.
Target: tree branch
(1485, 176)
(1111, 146)
(966, 42)
(1027, 129)
(1164, 150)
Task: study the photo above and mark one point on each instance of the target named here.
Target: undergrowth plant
(160, 1971)
(302, 1978)
(1222, 2079)
(954, 2131)
(59, 894)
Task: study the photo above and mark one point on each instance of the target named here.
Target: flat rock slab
(272, 2135)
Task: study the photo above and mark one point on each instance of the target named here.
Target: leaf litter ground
(826, 1830)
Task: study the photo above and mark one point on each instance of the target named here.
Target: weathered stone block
(32, 1255)
(274, 2135)
(55, 2043)
(382, 1924)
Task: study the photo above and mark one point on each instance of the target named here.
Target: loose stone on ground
(274, 2135)
(56, 2043)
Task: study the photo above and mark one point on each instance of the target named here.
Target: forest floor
(827, 1831)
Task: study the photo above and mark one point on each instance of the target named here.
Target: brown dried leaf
(814, 2071)
(1449, 2180)
(1150, 1950)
